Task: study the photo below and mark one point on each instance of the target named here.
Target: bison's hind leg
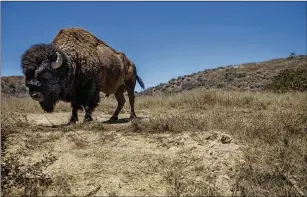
(119, 95)
(131, 96)
(130, 85)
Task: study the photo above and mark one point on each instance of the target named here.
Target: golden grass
(271, 128)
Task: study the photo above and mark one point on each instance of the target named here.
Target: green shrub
(289, 80)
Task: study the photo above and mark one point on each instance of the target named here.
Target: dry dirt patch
(59, 118)
(127, 163)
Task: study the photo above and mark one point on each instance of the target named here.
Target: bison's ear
(56, 64)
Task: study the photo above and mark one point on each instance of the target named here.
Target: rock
(226, 139)
(214, 136)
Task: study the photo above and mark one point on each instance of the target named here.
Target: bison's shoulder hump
(76, 34)
(78, 37)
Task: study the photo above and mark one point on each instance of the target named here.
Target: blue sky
(164, 39)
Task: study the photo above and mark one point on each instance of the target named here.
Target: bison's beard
(49, 103)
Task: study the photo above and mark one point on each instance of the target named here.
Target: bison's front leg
(92, 103)
(74, 115)
(88, 114)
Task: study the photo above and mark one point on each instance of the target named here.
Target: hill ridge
(252, 76)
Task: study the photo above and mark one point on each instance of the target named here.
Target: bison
(75, 67)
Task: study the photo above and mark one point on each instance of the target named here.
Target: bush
(291, 56)
(289, 80)
(31, 179)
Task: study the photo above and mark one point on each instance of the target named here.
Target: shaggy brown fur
(91, 66)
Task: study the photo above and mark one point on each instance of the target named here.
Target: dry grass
(27, 105)
(271, 129)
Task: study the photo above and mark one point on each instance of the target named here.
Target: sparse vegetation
(13, 85)
(201, 141)
(269, 128)
(16, 176)
(243, 77)
(289, 80)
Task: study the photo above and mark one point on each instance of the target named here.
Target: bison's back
(78, 40)
(92, 55)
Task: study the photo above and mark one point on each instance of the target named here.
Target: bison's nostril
(34, 85)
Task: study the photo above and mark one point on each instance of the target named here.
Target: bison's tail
(140, 81)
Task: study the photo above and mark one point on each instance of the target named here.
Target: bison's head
(43, 70)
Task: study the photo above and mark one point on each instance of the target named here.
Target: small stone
(226, 139)
(241, 161)
(212, 137)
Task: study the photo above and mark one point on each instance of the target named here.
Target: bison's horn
(58, 62)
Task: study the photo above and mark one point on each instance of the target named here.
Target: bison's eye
(42, 78)
(45, 76)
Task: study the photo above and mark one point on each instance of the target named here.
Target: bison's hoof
(132, 116)
(73, 119)
(88, 119)
(114, 118)
(70, 123)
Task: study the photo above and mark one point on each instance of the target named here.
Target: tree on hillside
(292, 55)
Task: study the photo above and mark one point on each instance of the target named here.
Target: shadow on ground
(122, 120)
(104, 121)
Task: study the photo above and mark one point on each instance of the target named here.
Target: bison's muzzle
(37, 96)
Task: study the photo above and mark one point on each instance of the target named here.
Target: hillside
(13, 86)
(246, 77)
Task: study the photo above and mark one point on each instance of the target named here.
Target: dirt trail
(126, 163)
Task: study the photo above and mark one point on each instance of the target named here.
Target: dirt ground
(116, 161)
